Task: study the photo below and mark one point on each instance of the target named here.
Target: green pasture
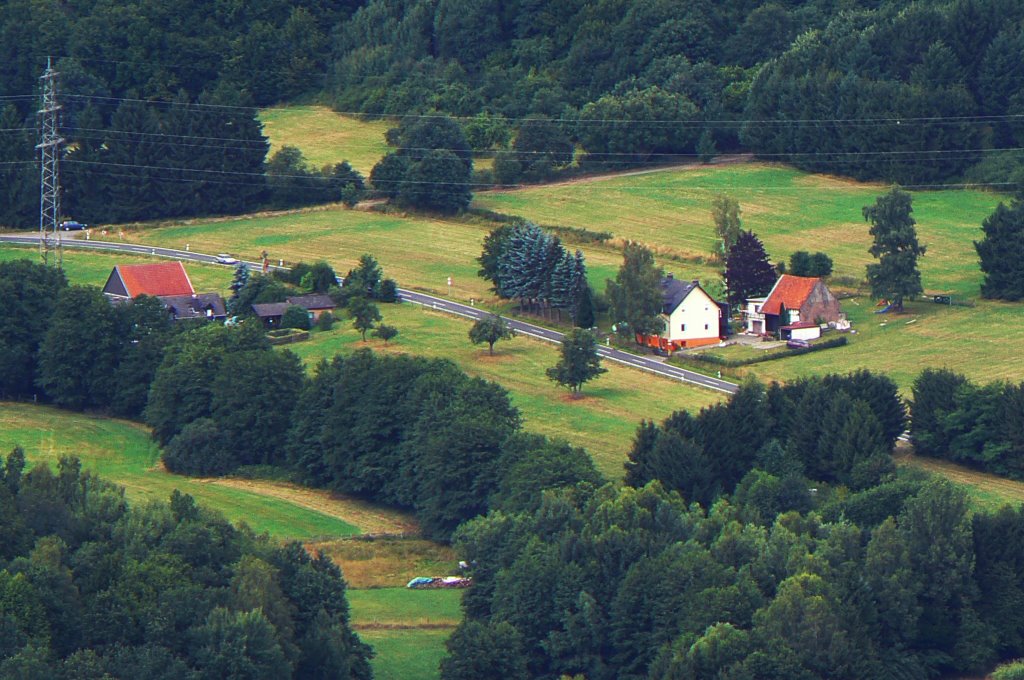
(670, 210)
(979, 341)
(407, 628)
(122, 452)
(326, 137)
(405, 607)
(406, 654)
(603, 421)
(92, 267)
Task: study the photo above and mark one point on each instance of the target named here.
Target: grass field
(122, 452)
(788, 209)
(325, 137)
(670, 210)
(411, 654)
(603, 421)
(402, 607)
(979, 341)
(93, 267)
(407, 628)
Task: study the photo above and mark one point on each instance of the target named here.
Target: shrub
(325, 322)
(295, 317)
(199, 449)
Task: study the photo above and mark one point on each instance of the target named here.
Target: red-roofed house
(129, 281)
(794, 303)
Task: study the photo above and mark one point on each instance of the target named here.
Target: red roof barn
(793, 300)
(159, 279)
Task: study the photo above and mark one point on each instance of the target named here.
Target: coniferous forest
(159, 99)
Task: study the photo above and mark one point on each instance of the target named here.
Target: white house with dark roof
(692, 317)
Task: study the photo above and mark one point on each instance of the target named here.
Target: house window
(705, 326)
(684, 328)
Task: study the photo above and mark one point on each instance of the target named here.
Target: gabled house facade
(795, 304)
(692, 317)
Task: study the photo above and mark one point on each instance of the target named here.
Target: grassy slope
(603, 421)
(407, 628)
(122, 452)
(788, 209)
(326, 137)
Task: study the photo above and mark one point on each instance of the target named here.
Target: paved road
(638, 362)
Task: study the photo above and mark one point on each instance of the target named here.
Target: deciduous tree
(579, 362)
(365, 314)
(895, 245)
(635, 294)
(490, 329)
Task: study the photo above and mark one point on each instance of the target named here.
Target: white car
(224, 258)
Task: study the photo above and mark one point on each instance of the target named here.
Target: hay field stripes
(122, 452)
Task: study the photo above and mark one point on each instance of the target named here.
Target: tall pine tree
(748, 273)
(1002, 253)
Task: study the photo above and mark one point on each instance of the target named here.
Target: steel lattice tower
(49, 171)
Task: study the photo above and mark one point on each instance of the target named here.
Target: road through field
(642, 363)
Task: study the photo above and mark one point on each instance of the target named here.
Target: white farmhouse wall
(696, 318)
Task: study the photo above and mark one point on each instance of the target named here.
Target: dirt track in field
(1011, 491)
(366, 517)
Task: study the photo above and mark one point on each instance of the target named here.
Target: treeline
(403, 431)
(911, 93)
(90, 588)
(980, 426)
(635, 583)
(905, 92)
(836, 430)
(163, 125)
(414, 433)
(526, 263)
(766, 537)
(69, 345)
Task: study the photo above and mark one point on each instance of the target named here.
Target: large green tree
(895, 276)
(490, 329)
(748, 273)
(635, 295)
(31, 291)
(80, 351)
(579, 361)
(1002, 253)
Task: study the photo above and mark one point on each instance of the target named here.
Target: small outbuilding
(314, 303)
(270, 313)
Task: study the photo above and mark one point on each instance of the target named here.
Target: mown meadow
(325, 137)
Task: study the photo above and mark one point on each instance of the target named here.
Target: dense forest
(159, 109)
(767, 536)
(90, 588)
